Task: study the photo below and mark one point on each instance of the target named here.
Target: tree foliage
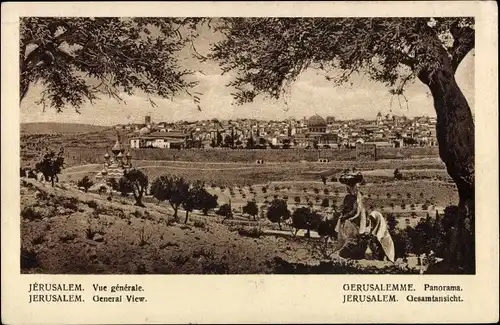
(80, 58)
(305, 218)
(278, 212)
(85, 182)
(171, 189)
(138, 182)
(224, 210)
(51, 165)
(124, 186)
(269, 53)
(193, 197)
(251, 208)
(206, 201)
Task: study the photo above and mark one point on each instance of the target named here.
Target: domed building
(317, 135)
(316, 124)
(145, 130)
(116, 164)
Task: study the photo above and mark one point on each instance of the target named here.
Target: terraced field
(427, 187)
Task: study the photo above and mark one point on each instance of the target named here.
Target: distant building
(169, 140)
(330, 120)
(147, 120)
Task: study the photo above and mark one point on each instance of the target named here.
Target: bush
(29, 259)
(397, 174)
(92, 230)
(31, 214)
(92, 204)
(199, 224)
(429, 235)
(69, 204)
(254, 232)
(224, 211)
(85, 183)
(144, 238)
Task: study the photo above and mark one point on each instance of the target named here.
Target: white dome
(144, 130)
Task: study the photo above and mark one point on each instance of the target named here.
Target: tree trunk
(176, 218)
(455, 135)
(138, 199)
(186, 220)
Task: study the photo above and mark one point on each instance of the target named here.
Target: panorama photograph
(195, 145)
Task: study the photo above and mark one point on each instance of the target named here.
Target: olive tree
(78, 59)
(138, 182)
(251, 209)
(171, 189)
(277, 212)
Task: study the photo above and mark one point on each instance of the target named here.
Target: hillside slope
(65, 231)
(59, 128)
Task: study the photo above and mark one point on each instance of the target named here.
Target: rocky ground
(66, 231)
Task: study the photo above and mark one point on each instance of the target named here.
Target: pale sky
(310, 94)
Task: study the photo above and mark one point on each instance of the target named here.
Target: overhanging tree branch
(463, 43)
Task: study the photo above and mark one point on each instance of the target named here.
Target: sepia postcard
(249, 162)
